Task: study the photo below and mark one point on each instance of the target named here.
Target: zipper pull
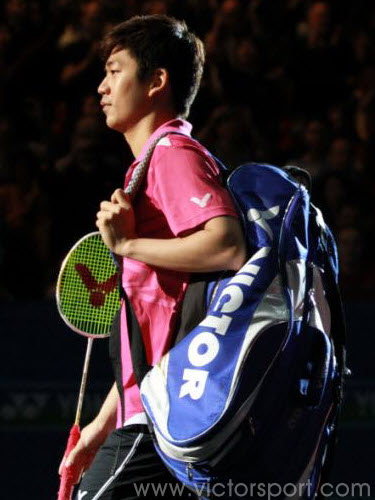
(252, 426)
(189, 470)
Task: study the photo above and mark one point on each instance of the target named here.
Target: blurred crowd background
(287, 82)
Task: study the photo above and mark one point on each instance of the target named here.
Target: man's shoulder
(176, 144)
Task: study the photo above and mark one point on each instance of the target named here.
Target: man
(182, 221)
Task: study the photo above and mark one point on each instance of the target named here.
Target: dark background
(286, 82)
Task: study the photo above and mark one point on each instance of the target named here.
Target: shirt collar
(175, 125)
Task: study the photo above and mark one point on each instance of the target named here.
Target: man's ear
(159, 82)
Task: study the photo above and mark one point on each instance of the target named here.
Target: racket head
(87, 292)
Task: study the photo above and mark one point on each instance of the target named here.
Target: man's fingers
(105, 217)
(106, 205)
(79, 460)
(109, 206)
(118, 202)
(71, 457)
(62, 464)
(101, 223)
(121, 198)
(69, 460)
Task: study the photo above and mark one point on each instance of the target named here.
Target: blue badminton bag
(252, 393)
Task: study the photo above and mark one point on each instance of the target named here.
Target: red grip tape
(69, 473)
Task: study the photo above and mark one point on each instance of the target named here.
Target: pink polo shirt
(182, 190)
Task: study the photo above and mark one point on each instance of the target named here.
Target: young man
(182, 221)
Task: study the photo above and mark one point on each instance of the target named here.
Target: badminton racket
(87, 296)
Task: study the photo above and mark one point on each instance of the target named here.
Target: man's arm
(93, 436)
(218, 244)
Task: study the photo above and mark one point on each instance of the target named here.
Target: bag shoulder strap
(140, 170)
(137, 346)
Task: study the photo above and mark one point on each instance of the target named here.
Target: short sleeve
(187, 187)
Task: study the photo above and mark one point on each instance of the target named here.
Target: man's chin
(112, 124)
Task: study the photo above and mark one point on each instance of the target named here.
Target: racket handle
(68, 474)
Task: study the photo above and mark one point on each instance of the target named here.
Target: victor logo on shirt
(201, 202)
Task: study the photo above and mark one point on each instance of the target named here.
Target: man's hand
(115, 221)
(92, 437)
(80, 458)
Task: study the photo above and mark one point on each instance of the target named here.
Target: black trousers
(127, 467)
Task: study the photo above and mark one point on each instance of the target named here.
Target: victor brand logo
(98, 291)
(201, 202)
(205, 346)
(261, 216)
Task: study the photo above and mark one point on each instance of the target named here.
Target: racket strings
(89, 296)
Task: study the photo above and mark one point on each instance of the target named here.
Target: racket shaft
(83, 381)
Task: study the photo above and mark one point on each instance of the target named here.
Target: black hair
(159, 41)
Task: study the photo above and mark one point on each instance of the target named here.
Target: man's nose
(103, 87)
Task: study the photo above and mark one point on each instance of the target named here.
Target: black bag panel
(193, 309)
(198, 296)
(115, 357)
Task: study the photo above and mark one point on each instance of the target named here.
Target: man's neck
(138, 135)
